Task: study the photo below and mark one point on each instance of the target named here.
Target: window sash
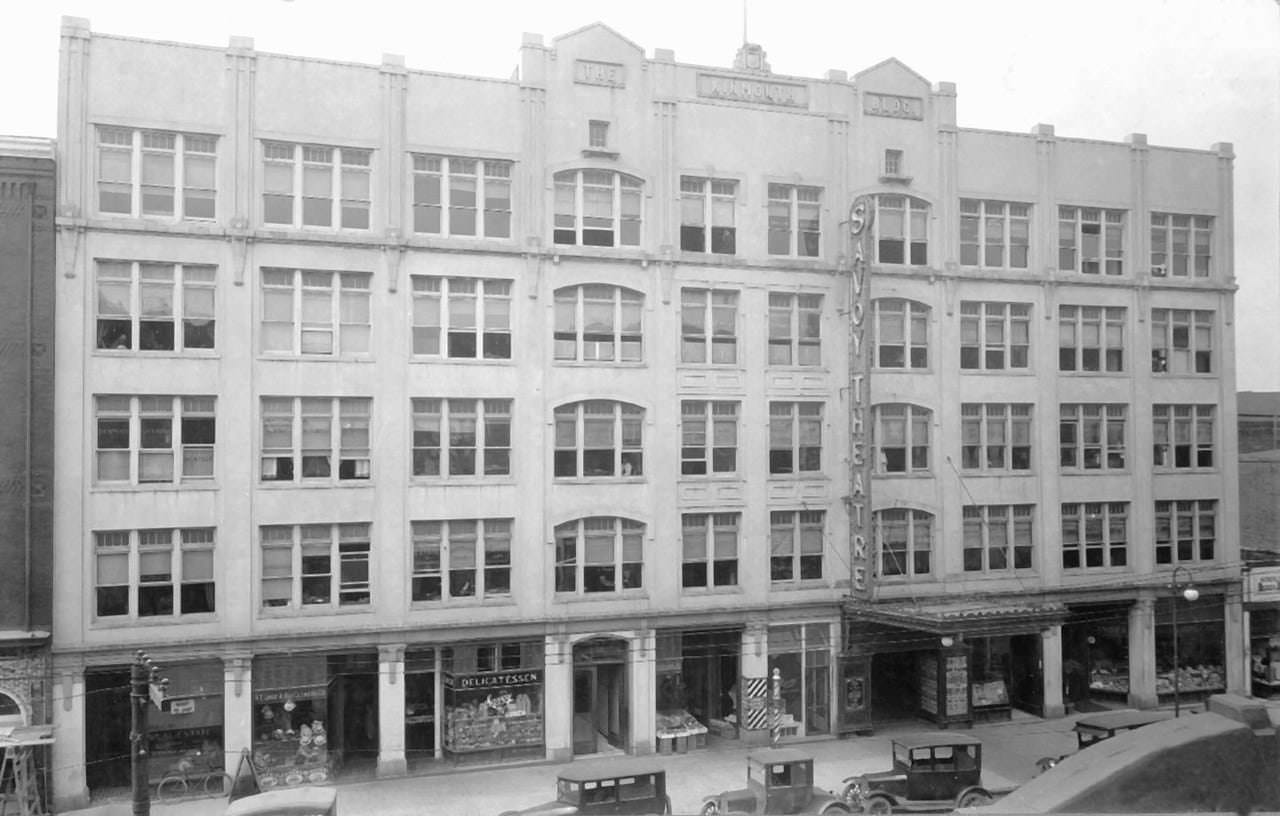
(313, 186)
(145, 173)
(145, 307)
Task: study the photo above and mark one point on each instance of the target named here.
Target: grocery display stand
(19, 764)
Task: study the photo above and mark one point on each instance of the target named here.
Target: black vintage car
(1093, 728)
(629, 786)
(932, 772)
(779, 781)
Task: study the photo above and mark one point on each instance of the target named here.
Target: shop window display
(291, 740)
(186, 736)
(493, 701)
(1200, 660)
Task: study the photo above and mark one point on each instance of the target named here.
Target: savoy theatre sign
(759, 91)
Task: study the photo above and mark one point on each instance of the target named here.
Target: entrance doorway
(106, 731)
(895, 691)
(353, 708)
(1026, 676)
(601, 714)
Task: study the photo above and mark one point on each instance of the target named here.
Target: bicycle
(185, 779)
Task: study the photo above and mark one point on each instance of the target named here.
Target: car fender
(973, 789)
(820, 800)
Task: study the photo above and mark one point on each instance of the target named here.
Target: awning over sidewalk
(990, 616)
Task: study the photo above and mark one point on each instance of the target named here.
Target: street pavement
(1010, 749)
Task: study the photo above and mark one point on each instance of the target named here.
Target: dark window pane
(462, 345)
(197, 598)
(113, 601)
(155, 335)
(692, 239)
(197, 333)
(115, 334)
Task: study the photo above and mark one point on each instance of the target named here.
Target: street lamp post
(1187, 589)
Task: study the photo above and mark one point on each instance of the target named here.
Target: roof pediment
(597, 37)
(893, 74)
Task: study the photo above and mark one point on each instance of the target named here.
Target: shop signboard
(1262, 585)
(854, 695)
(493, 680)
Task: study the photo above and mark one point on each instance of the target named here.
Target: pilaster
(1237, 651)
(1224, 232)
(642, 680)
(391, 185)
(1051, 663)
(74, 140)
(947, 221)
(236, 160)
(70, 789)
(237, 707)
(558, 698)
(665, 193)
(1142, 653)
(391, 757)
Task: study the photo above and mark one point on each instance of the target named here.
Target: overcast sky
(1187, 73)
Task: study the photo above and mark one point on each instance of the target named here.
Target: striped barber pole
(755, 703)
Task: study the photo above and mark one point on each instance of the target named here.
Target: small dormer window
(893, 162)
(598, 134)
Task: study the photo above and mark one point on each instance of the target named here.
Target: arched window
(902, 230)
(599, 323)
(904, 540)
(901, 333)
(599, 554)
(599, 439)
(900, 436)
(597, 208)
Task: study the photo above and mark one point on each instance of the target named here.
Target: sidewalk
(1010, 750)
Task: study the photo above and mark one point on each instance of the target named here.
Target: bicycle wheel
(217, 784)
(171, 788)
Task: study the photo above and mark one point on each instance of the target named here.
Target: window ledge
(997, 474)
(599, 153)
(314, 484)
(489, 361)
(598, 480)
(901, 370)
(293, 612)
(497, 602)
(588, 597)
(707, 592)
(1170, 471)
(806, 476)
(131, 354)
(173, 487)
(125, 621)
(729, 367)
(463, 481)
(998, 372)
(598, 363)
(720, 478)
(1078, 471)
(1073, 373)
(315, 358)
(799, 585)
(894, 178)
(799, 369)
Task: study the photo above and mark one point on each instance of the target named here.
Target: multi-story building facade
(26, 428)
(459, 419)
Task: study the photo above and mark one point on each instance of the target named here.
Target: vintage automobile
(303, 801)
(1093, 728)
(779, 780)
(933, 771)
(630, 786)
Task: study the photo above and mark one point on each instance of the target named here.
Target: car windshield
(633, 788)
(567, 791)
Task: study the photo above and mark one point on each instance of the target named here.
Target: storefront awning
(968, 616)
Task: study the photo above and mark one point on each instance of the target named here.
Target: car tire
(974, 798)
(709, 809)
(879, 805)
(834, 809)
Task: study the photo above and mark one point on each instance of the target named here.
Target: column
(1142, 654)
(237, 708)
(754, 664)
(70, 788)
(642, 680)
(557, 705)
(1051, 670)
(391, 759)
(1236, 653)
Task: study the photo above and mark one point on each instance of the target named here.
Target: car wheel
(709, 809)
(850, 794)
(834, 810)
(879, 805)
(975, 798)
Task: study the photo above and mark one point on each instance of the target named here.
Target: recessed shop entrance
(601, 715)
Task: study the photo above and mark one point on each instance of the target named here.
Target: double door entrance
(601, 714)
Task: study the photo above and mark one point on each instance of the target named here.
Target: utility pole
(775, 704)
(145, 685)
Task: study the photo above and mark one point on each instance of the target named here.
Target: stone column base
(389, 766)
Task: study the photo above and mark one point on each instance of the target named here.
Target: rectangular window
(796, 544)
(1186, 531)
(901, 333)
(1091, 338)
(1183, 436)
(461, 437)
(900, 435)
(998, 537)
(710, 545)
(995, 336)
(1091, 436)
(1091, 240)
(316, 186)
(599, 439)
(709, 326)
(994, 234)
(1095, 535)
(288, 421)
(707, 215)
(795, 215)
(597, 208)
(144, 306)
(708, 438)
(138, 439)
(461, 197)
(995, 437)
(599, 554)
(1181, 341)
(461, 318)
(461, 559)
(598, 134)
(902, 230)
(156, 173)
(599, 323)
(154, 573)
(315, 313)
(315, 565)
(795, 329)
(904, 540)
(795, 437)
(1181, 245)
(893, 163)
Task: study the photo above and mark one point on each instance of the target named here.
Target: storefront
(697, 675)
(804, 655)
(189, 728)
(1200, 655)
(493, 701)
(1262, 603)
(314, 715)
(1095, 656)
(420, 721)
